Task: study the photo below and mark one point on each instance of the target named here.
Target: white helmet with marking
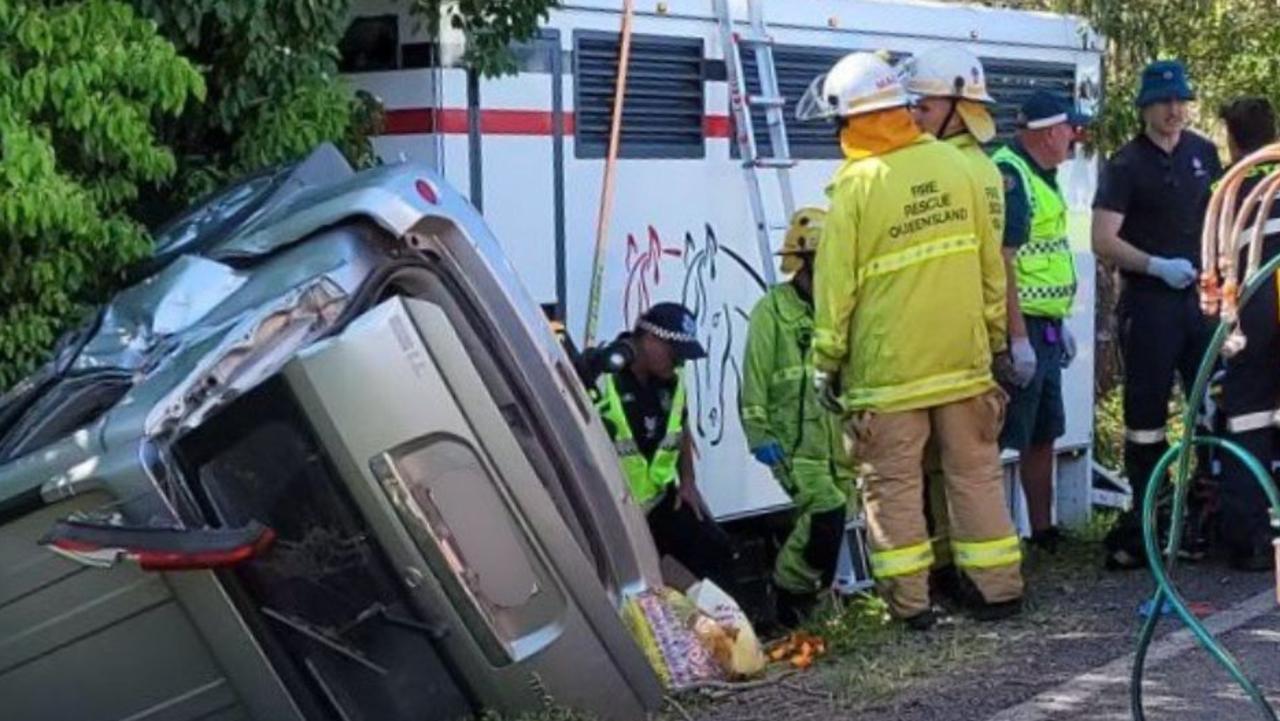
(859, 83)
(947, 72)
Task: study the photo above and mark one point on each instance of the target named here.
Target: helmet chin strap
(951, 111)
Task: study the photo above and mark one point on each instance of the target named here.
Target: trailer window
(797, 66)
(1011, 81)
(662, 114)
(370, 44)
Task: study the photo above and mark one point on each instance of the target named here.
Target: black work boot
(946, 587)
(922, 621)
(996, 611)
(793, 609)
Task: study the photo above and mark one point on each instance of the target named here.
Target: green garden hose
(1162, 570)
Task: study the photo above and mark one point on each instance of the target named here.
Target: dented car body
(323, 460)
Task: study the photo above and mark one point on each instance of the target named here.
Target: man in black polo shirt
(1147, 218)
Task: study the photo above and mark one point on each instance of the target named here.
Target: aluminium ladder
(742, 102)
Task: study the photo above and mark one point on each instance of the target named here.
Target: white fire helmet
(947, 72)
(859, 83)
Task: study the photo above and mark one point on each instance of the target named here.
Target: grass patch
(873, 658)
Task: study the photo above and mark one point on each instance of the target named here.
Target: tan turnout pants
(985, 546)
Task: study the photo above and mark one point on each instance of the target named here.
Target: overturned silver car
(325, 460)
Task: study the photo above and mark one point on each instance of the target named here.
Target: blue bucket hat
(1164, 80)
(1045, 110)
(676, 325)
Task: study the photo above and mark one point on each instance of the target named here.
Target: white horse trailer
(529, 149)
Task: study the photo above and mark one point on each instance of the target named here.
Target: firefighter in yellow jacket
(789, 431)
(909, 297)
(948, 87)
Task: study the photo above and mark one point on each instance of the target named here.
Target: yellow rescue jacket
(909, 283)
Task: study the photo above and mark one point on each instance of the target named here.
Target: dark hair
(1250, 122)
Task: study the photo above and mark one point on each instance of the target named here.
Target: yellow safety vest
(1045, 267)
(647, 478)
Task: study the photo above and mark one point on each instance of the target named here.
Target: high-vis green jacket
(778, 400)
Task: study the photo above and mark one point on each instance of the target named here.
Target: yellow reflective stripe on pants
(787, 375)
(1005, 551)
(899, 259)
(902, 561)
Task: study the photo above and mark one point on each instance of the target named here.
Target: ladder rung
(766, 101)
(772, 163)
(755, 40)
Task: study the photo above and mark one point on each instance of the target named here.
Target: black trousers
(1250, 395)
(1162, 334)
(702, 546)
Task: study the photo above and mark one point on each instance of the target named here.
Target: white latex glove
(1177, 273)
(1068, 346)
(1024, 361)
(826, 385)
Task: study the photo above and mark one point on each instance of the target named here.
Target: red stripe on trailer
(716, 126)
(454, 121)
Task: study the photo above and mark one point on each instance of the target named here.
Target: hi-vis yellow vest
(1046, 269)
(647, 478)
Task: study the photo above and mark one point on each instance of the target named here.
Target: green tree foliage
(1229, 46)
(115, 114)
(81, 85)
(272, 71)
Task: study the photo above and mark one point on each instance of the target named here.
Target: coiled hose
(1224, 260)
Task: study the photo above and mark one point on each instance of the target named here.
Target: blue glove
(769, 454)
(1023, 356)
(1177, 273)
(1068, 347)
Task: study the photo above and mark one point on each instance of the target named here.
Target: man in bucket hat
(1147, 218)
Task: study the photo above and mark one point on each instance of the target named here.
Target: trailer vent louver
(1010, 82)
(662, 114)
(797, 66)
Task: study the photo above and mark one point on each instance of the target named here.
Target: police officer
(1044, 280)
(1251, 382)
(638, 385)
(909, 296)
(1147, 219)
(789, 431)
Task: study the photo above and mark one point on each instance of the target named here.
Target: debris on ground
(798, 649)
